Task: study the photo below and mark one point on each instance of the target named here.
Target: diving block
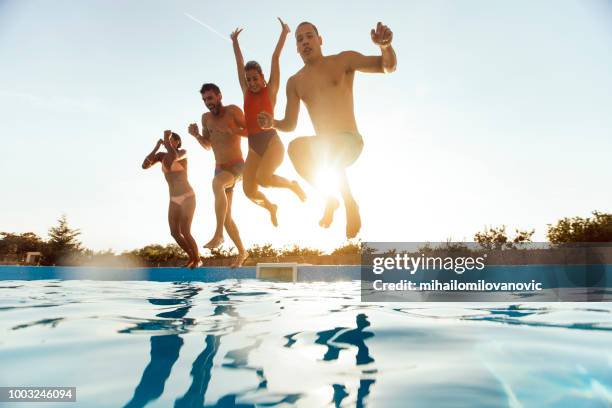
(284, 272)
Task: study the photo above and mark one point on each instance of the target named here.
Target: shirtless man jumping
(221, 130)
(325, 84)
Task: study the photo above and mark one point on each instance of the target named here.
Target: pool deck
(554, 275)
(306, 273)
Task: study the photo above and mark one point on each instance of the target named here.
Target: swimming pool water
(248, 343)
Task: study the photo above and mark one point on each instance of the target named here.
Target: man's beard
(214, 109)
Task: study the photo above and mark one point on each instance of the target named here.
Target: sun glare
(327, 181)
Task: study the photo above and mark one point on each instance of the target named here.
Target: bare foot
(215, 242)
(273, 208)
(240, 258)
(328, 216)
(295, 187)
(353, 220)
(193, 263)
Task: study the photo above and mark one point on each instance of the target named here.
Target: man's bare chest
(321, 83)
(221, 129)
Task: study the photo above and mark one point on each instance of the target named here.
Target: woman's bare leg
(188, 209)
(174, 221)
(271, 160)
(251, 189)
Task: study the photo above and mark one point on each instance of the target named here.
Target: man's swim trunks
(353, 145)
(235, 167)
(339, 149)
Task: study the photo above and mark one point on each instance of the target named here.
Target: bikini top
(253, 104)
(177, 178)
(176, 166)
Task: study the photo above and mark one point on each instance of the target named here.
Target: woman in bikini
(182, 197)
(266, 150)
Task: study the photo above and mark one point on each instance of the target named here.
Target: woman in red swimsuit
(266, 151)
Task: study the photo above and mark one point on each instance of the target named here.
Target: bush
(263, 251)
(156, 255)
(296, 250)
(447, 248)
(220, 253)
(353, 248)
(496, 238)
(15, 246)
(578, 229)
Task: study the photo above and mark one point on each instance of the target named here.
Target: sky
(498, 113)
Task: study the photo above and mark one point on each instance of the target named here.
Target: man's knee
(218, 186)
(300, 151)
(264, 179)
(299, 147)
(294, 148)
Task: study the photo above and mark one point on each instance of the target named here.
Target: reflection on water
(263, 344)
(164, 348)
(165, 351)
(201, 374)
(340, 337)
(42, 322)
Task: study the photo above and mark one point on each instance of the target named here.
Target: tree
(63, 247)
(578, 229)
(19, 244)
(496, 238)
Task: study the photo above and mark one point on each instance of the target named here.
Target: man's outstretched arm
(292, 110)
(382, 37)
(204, 139)
(386, 62)
(239, 119)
